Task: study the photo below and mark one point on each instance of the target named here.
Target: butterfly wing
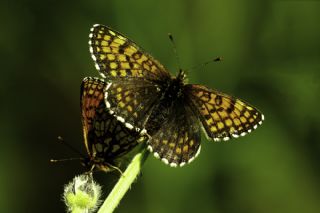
(134, 75)
(132, 102)
(90, 99)
(221, 115)
(175, 134)
(105, 137)
(117, 57)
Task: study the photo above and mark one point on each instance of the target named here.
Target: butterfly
(105, 138)
(141, 93)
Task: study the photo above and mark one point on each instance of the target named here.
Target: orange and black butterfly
(143, 95)
(106, 139)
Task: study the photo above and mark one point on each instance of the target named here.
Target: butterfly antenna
(62, 160)
(216, 59)
(70, 147)
(175, 51)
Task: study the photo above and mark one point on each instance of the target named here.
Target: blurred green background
(271, 52)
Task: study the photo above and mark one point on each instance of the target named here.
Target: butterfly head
(181, 76)
(95, 164)
(174, 88)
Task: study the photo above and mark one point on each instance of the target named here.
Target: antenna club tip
(53, 161)
(170, 36)
(219, 58)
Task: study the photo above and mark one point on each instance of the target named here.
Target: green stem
(124, 182)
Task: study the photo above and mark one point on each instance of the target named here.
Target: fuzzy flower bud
(82, 194)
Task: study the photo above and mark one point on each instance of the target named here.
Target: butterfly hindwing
(131, 101)
(175, 134)
(222, 116)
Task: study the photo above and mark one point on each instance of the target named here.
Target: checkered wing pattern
(105, 137)
(142, 95)
(118, 57)
(222, 116)
(175, 134)
(132, 101)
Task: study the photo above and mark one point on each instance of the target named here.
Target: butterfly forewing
(117, 57)
(105, 137)
(222, 116)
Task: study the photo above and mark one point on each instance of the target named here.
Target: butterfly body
(143, 95)
(173, 88)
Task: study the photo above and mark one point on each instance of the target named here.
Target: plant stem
(124, 182)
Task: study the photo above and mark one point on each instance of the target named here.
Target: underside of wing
(90, 101)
